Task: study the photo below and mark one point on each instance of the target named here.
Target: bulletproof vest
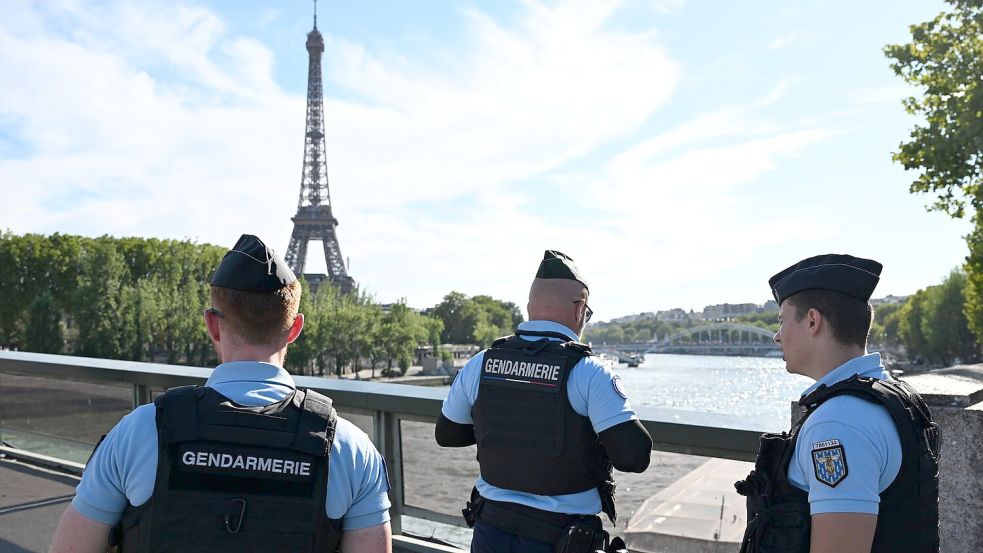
(235, 478)
(529, 437)
(908, 516)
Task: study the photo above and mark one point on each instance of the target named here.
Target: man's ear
(816, 321)
(212, 325)
(296, 328)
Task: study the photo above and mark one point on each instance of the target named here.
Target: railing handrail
(388, 404)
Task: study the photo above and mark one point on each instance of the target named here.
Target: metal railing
(387, 404)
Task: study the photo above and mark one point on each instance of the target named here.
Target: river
(735, 392)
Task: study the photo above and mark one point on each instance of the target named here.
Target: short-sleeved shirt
(849, 449)
(593, 391)
(124, 466)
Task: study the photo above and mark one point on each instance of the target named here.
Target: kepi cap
(251, 266)
(854, 276)
(559, 265)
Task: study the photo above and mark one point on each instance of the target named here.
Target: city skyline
(682, 154)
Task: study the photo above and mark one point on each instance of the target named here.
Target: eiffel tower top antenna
(315, 14)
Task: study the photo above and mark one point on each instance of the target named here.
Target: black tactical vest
(908, 517)
(529, 437)
(235, 478)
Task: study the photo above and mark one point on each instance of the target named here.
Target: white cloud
(159, 120)
(784, 41)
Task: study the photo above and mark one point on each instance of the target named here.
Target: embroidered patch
(619, 387)
(829, 460)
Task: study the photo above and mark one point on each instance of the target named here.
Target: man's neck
(261, 355)
(829, 359)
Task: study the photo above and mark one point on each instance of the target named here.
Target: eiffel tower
(314, 220)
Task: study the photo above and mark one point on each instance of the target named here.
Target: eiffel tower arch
(314, 219)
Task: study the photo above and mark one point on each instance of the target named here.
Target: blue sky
(681, 151)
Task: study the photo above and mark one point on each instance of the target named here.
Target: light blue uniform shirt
(866, 435)
(124, 467)
(593, 392)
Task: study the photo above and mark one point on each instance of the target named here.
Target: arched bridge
(721, 338)
(724, 338)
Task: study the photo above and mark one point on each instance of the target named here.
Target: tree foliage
(142, 300)
(945, 61)
(932, 323)
(44, 332)
(475, 320)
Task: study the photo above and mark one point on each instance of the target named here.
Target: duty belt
(528, 522)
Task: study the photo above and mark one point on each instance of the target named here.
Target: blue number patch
(829, 460)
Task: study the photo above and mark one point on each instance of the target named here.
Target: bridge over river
(722, 338)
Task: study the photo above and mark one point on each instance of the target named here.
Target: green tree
(44, 332)
(933, 326)
(945, 327)
(100, 296)
(477, 320)
(945, 60)
(884, 329)
(303, 352)
(910, 324)
(452, 312)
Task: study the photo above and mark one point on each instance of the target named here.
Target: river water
(736, 392)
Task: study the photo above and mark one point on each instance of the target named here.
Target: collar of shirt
(547, 326)
(251, 382)
(865, 365)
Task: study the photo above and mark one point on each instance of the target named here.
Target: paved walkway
(699, 513)
(31, 501)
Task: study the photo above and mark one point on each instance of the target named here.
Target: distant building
(635, 317)
(888, 300)
(729, 310)
(672, 315)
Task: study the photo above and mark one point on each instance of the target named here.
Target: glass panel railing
(437, 479)
(363, 421)
(59, 418)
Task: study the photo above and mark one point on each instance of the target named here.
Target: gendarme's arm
(842, 533)
(628, 445)
(451, 434)
(77, 533)
(374, 539)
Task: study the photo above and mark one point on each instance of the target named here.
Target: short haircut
(849, 318)
(258, 318)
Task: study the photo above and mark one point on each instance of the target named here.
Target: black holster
(472, 508)
(606, 489)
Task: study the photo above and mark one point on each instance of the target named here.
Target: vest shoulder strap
(892, 394)
(316, 428)
(567, 347)
(177, 414)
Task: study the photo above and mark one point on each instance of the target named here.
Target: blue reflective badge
(829, 460)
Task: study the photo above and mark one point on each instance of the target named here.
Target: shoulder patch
(619, 387)
(829, 461)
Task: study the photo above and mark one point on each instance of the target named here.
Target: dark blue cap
(559, 265)
(252, 267)
(853, 276)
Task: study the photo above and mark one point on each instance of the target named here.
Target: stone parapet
(955, 396)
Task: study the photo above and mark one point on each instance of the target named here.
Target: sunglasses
(588, 312)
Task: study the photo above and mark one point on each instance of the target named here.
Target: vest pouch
(780, 528)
